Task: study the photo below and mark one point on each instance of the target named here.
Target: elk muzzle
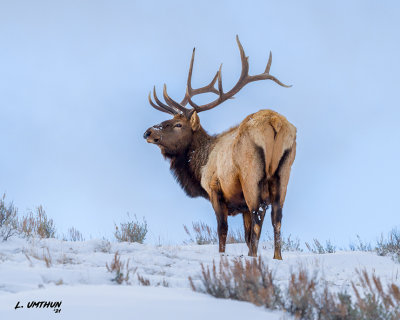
(151, 136)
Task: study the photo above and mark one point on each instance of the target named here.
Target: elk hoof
(251, 254)
(277, 257)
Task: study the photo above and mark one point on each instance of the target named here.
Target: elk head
(175, 135)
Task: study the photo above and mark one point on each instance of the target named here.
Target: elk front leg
(222, 220)
(221, 212)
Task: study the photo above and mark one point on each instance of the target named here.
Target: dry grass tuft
(143, 281)
(74, 235)
(45, 256)
(146, 282)
(120, 268)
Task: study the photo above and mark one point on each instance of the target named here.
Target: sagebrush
(36, 223)
(317, 247)
(390, 246)
(131, 231)
(306, 296)
(8, 219)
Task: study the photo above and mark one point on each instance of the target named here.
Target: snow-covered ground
(79, 278)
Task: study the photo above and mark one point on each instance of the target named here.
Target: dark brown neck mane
(186, 166)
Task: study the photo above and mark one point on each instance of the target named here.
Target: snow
(129, 302)
(79, 278)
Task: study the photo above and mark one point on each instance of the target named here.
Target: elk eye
(178, 125)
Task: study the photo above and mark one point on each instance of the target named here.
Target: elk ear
(195, 121)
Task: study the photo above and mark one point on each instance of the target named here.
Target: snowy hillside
(76, 274)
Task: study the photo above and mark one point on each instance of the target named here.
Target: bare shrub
(374, 302)
(104, 246)
(251, 281)
(163, 283)
(131, 231)
(287, 244)
(390, 246)
(74, 235)
(3, 257)
(120, 268)
(317, 247)
(37, 224)
(306, 296)
(64, 259)
(361, 245)
(300, 293)
(235, 236)
(309, 297)
(59, 282)
(47, 258)
(8, 219)
(204, 234)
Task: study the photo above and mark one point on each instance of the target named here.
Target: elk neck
(186, 167)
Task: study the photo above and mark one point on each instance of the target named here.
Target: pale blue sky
(74, 79)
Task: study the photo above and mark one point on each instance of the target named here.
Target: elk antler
(174, 107)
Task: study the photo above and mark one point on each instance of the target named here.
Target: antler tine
(244, 79)
(220, 90)
(169, 109)
(189, 79)
(245, 62)
(269, 63)
(266, 75)
(156, 106)
(190, 92)
(172, 103)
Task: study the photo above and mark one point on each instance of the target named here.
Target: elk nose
(147, 134)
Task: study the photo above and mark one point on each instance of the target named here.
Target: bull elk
(242, 170)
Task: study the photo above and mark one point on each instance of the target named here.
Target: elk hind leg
(276, 219)
(278, 186)
(252, 175)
